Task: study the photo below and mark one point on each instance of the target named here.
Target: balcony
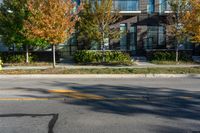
(126, 6)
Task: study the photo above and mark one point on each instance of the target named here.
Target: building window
(152, 37)
(123, 37)
(155, 37)
(164, 6)
(161, 35)
(126, 5)
(168, 7)
(151, 6)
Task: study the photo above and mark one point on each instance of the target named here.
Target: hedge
(19, 57)
(169, 56)
(102, 57)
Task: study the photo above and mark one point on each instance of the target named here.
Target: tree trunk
(103, 48)
(70, 48)
(177, 54)
(13, 46)
(27, 54)
(54, 55)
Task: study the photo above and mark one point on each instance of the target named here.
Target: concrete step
(68, 61)
(140, 58)
(196, 58)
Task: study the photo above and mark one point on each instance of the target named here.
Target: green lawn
(173, 62)
(193, 70)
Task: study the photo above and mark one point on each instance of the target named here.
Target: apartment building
(146, 25)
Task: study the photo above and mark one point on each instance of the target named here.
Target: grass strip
(29, 64)
(173, 62)
(192, 70)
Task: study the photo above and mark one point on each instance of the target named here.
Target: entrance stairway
(140, 58)
(142, 61)
(68, 61)
(196, 59)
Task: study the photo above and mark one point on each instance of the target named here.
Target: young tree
(179, 8)
(12, 15)
(191, 21)
(96, 19)
(51, 20)
(86, 27)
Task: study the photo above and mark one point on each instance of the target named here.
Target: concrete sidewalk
(97, 76)
(64, 66)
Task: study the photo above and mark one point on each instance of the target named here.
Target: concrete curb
(97, 76)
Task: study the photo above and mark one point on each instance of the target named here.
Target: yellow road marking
(85, 96)
(62, 91)
(29, 99)
(76, 94)
(185, 97)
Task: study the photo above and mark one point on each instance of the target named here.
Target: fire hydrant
(1, 63)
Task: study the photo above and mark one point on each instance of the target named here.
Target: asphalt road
(100, 105)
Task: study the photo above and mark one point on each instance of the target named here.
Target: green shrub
(99, 57)
(169, 56)
(15, 58)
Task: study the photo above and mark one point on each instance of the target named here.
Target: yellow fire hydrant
(1, 63)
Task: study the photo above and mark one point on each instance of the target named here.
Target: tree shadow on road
(132, 100)
(135, 100)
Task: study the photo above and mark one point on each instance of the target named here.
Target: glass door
(133, 39)
(123, 37)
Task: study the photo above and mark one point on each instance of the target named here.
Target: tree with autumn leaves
(184, 21)
(12, 15)
(175, 20)
(51, 20)
(191, 21)
(96, 22)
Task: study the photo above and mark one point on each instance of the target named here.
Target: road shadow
(163, 102)
(132, 100)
